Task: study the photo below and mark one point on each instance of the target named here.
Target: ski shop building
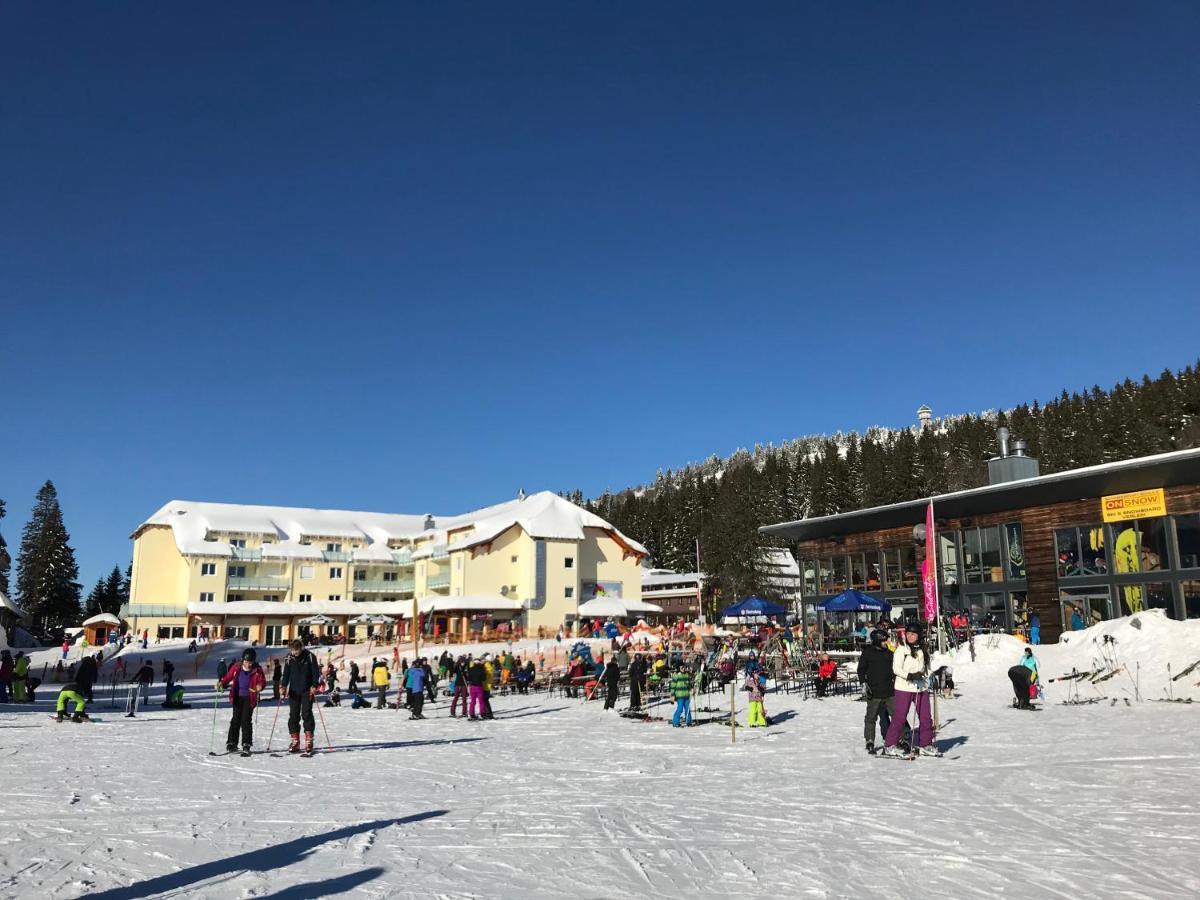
(1073, 548)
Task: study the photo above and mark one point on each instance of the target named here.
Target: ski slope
(557, 798)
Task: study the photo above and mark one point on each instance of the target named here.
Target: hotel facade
(255, 572)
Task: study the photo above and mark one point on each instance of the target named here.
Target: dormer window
(237, 542)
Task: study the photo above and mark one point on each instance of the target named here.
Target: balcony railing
(259, 583)
(439, 552)
(382, 586)
(402, 557)
(251, 554)
(438, 581)
(336, 555)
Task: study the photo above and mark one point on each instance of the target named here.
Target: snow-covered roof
(102, 619)
(664, 576)
(10, 606)
(542, 515)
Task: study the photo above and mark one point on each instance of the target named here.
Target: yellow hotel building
(253, 572)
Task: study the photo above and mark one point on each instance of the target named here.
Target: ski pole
(274, 719)
(212, 741)
(328, 743)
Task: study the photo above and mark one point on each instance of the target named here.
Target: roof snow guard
(542, 515)
(1162, 470)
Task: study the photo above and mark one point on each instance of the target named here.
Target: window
(335, 571)
(569, 593)
(1152, 596)
(810, 567)
(568, 562)
(826, 576)
(858, 572)
(334, 598)
(891, 569)
(360, 574)
(206, 597)
(306, 598)
(307, 572)
(1191, 599)
(271, 598)
(233, 598)
(948, 556)
(874, 572)
(237, 542)
(391, 576)
(208, 568)
(333, 548)
(840, 574)
(514, 559)
(908, 566)
(237, 571)
(1187, 530)
(1080, 551)
(1140, 545)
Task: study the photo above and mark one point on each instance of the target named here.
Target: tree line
(721, 502)
(46, 585)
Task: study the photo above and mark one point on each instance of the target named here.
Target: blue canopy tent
(753, 607)
(854, 601)
(851, 601)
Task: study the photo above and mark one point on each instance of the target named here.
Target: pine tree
(5, 559)
(46, 567)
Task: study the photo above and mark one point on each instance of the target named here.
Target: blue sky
(414, 257)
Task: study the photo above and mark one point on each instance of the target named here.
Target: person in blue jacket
(1030, 662)
(1035, 629)
(1076, 620)
(415, 685)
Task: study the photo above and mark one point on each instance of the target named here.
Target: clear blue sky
(412, 257)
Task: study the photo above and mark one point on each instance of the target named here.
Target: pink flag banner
(929, 568)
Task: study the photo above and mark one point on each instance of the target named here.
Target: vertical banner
(929, 568)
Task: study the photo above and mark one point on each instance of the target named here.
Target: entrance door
(274, 636)
(1084, 606)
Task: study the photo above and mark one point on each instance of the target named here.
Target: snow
(557, 798)
(12, 607)
(102, 619)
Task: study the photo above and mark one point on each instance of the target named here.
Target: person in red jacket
(826, 674)
(245, 681)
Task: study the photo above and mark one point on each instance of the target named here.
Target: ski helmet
(249, 654)
(878, 638)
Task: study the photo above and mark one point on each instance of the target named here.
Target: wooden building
(1072, 547)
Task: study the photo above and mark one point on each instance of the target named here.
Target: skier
(1035, 629)
(71, 693)
(415, 686)
(431, 680)
(754, 687)
(476, 677)
(245, 681)
(681, 690)
(66, 648)
(352, 684)
(910, 665)
(144, 677)
(611, 676)
(637, 681)
(276, 678)
(380, 678)
(489, 676)
(299, 680)
(875, 673)
(20, 672)
(459, 678)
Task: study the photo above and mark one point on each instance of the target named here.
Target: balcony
(336, 555)
(250, 554)
(259, 583)
(382, 586)
(435, 582)
(441, 551)
(402, 557)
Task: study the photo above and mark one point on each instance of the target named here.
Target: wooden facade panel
(1038, 524)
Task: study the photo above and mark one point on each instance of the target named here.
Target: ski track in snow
(560, 799)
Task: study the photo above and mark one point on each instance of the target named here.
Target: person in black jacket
(85, 676)
(611, 676)
(299, 680)
(875, 672)
(637, 679)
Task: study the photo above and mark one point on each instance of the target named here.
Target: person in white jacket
(910, 665)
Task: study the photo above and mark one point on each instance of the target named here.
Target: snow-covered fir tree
(46, 567)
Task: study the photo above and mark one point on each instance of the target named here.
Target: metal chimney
(1014, 466)
(1019, 447)
(1002, 437)
(429, 523)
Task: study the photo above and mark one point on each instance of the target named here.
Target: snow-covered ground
(557, 798)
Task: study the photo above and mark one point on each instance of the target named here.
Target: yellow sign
(1137, 505)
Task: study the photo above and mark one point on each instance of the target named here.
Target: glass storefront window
(1140, 546)
(874, 572)
(827, 576)
(1016, 550)
(995, 612)
(891, 569)
(910, 576)
(1080, 551)
(840, 574)
(948, 557)
(1158, 596)
(972, 555)
(1066, 545)
(858, 573)
(811, 567)
(1082, 607)
(1191, 599)
(1187, 530)
(989, 539)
